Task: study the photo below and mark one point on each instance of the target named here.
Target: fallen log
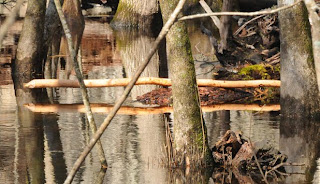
(99, 83)
(105, 108)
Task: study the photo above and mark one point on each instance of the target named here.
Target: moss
(216, 5)
(304, 37)
(276, 68)
(254, 71)
(127, 17)
(307, 31)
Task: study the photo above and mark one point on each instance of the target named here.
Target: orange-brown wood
(98, 83)
(105, 108)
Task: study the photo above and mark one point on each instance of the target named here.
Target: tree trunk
(28, 65)
(299, 91)
(75, 21)
(51, 27)
(189, 138)
(135, 14)
(224, 30)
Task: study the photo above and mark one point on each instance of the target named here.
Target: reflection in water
(43, 147)
(29, 159)
(54, 155)
(133, 47)
(300, 140)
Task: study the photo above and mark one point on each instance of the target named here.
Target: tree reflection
(30, 166)
(300, 140)
(39, 152)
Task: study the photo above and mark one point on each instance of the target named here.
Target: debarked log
(98, 83)
(105, 108)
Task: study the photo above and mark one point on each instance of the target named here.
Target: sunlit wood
(98, 83)
(105, 108)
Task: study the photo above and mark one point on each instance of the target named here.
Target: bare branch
(245, 24)
(264, 12)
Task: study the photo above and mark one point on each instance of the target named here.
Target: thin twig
(265, 12)
(83, 88)
(106, 122)
(258, 164)
(245, 24)
(9, 20)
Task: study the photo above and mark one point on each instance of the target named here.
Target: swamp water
(41, 147)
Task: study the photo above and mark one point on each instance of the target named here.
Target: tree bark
(28, 65)
(51, 27)
(135, 14)
(189, 130)
(314, 20)
(299, 91)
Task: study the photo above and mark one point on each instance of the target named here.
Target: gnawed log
(105, 108)
(98, 83)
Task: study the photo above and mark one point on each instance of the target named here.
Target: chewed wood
(99, 83)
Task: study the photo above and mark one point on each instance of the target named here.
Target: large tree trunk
(189, 138)
(28, 65)
(299, 91)
(135, 14)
